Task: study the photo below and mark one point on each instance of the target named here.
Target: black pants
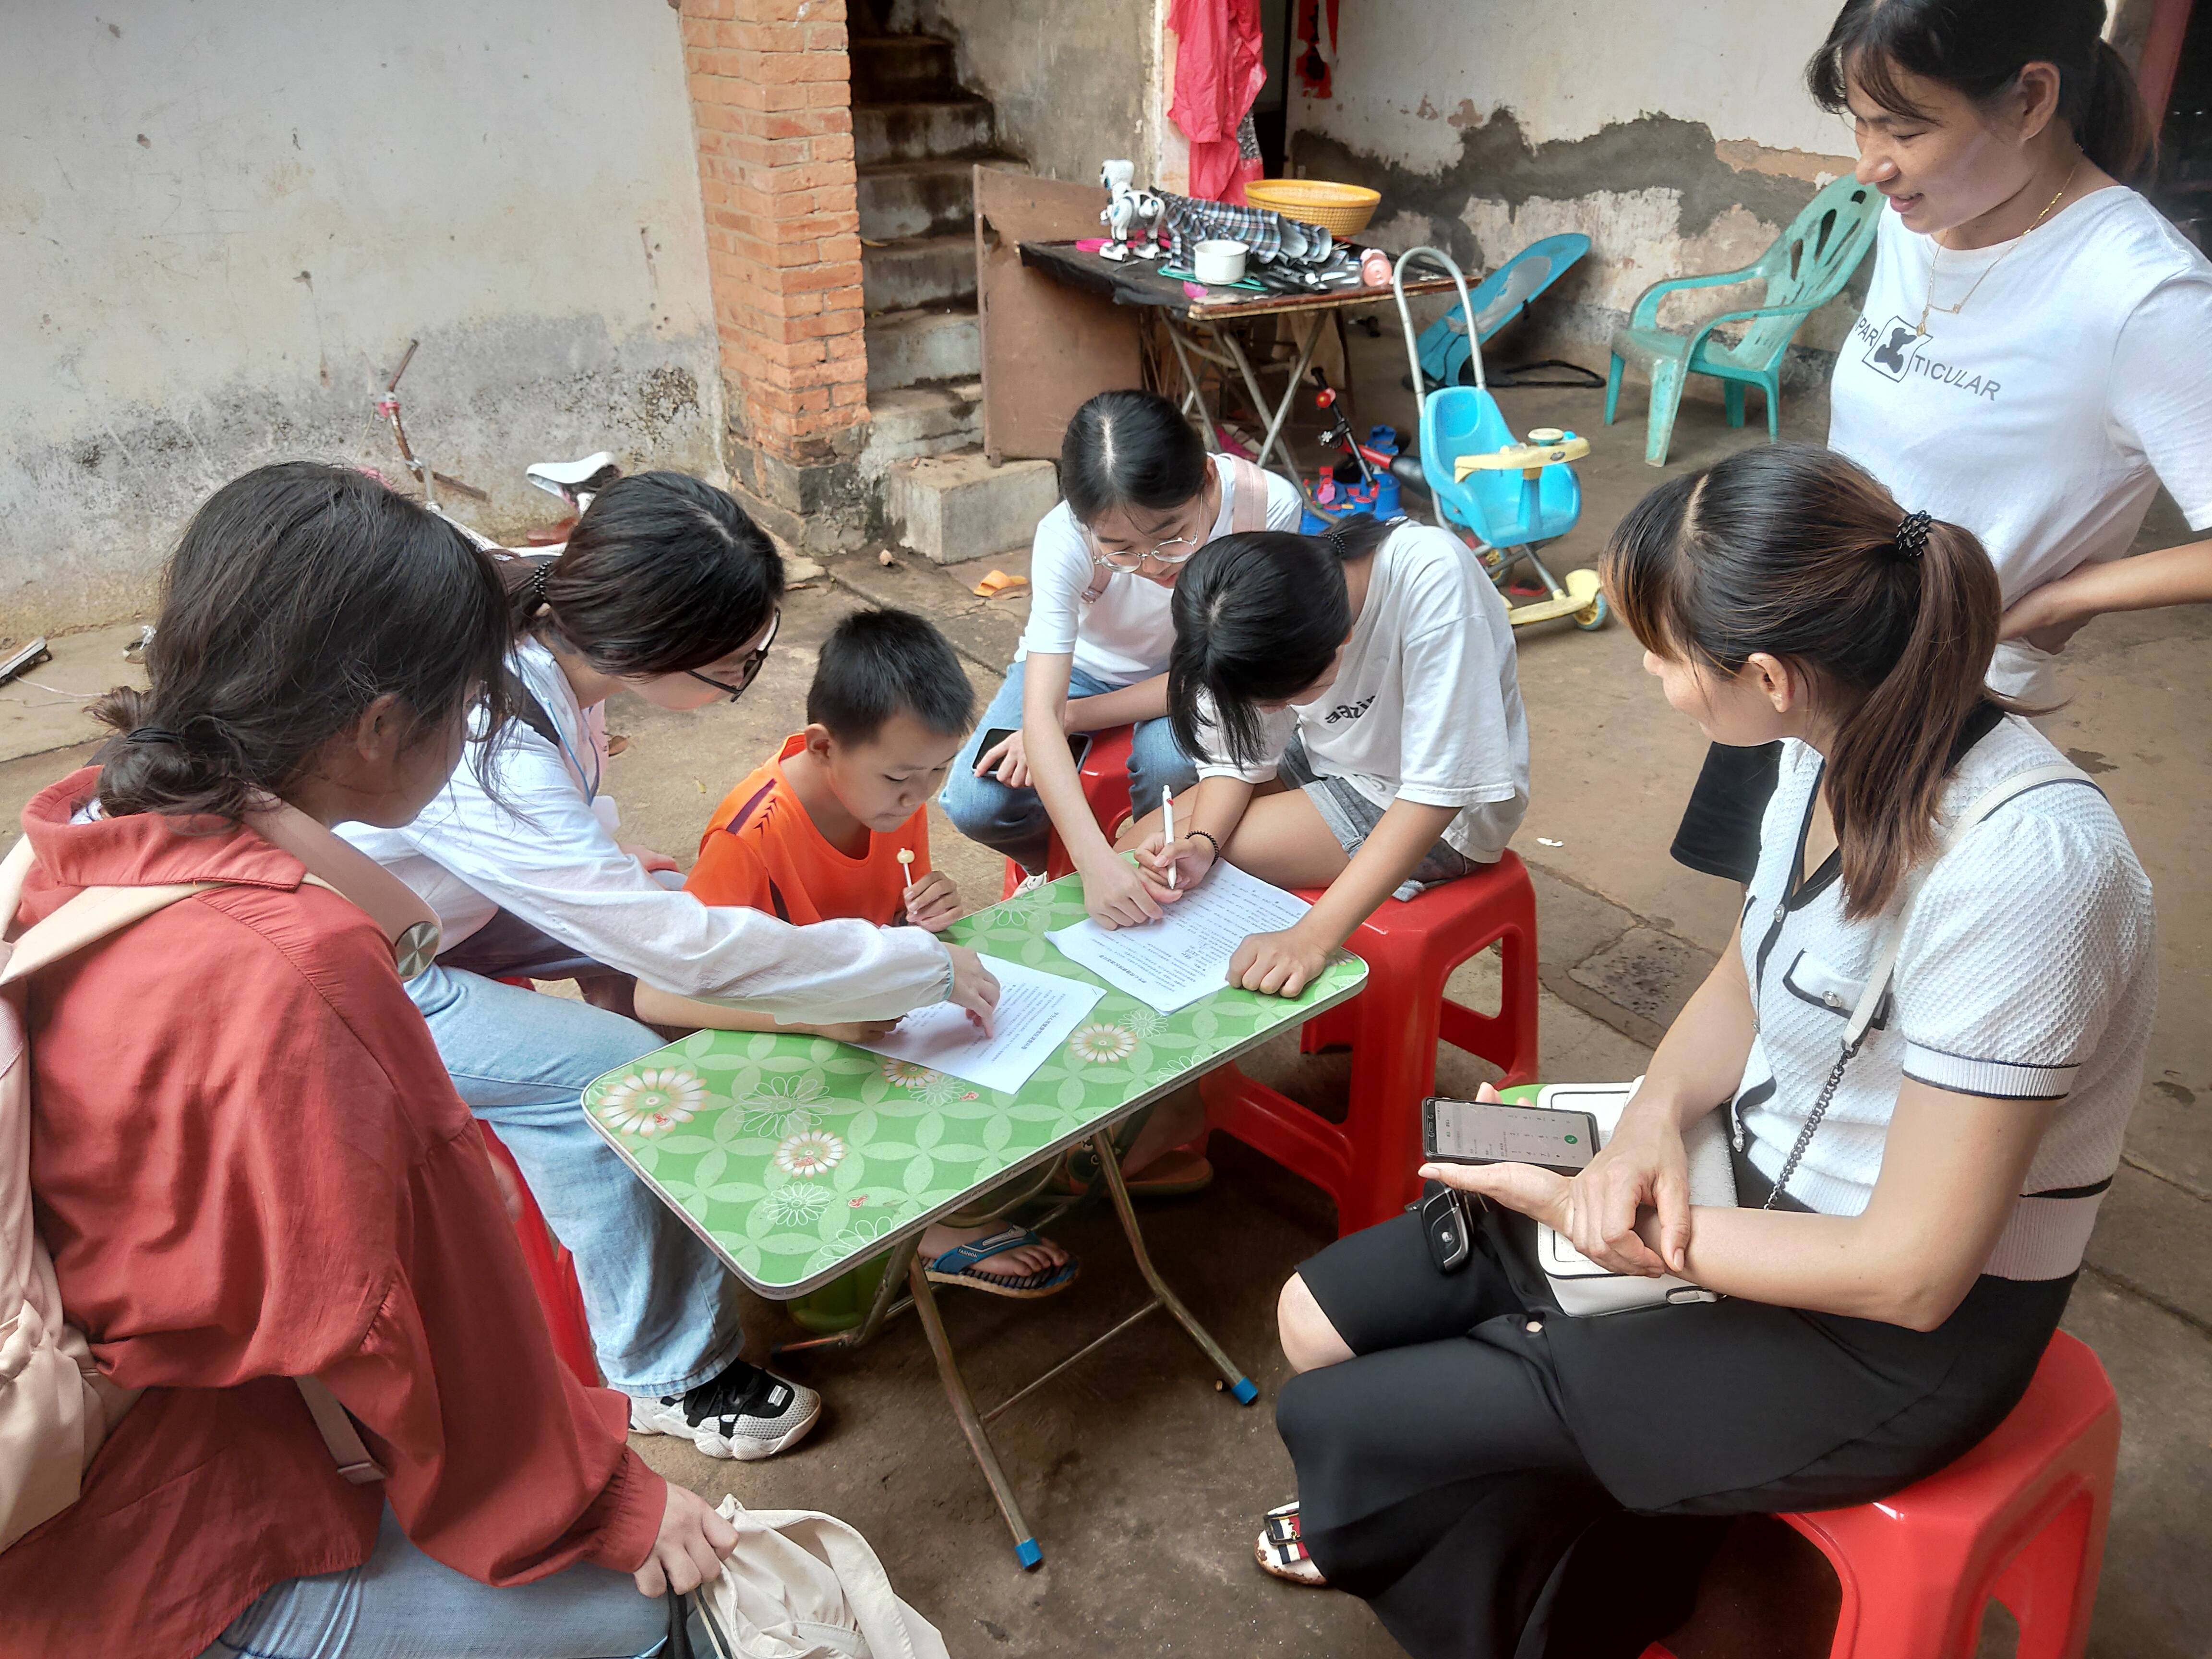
(1719, 832)
(1500, 1482)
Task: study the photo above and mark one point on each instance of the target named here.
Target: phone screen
(1489, 1133)
(1078, 743)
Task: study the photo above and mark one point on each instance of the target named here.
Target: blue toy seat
(1502, 507)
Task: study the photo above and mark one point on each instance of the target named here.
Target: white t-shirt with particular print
(1426, 702)
(2045, 415)
(1125, 634)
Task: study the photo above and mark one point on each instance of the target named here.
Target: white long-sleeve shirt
(549, 856)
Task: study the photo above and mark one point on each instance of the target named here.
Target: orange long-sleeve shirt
(250, 1165)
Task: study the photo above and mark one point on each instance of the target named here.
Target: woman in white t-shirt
(1141, 496)
(2032, 361)
(1910, 1216)
(1354, 701)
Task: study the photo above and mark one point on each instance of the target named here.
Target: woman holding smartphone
(1910, 1220)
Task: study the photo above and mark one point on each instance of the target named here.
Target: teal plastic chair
(1806, 268)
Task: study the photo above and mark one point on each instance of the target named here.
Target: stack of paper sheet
(1172, 963)
(1036, 1013)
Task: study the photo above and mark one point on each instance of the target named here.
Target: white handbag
(1582, 1287)
(801, 1585)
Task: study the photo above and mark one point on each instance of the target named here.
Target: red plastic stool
(552, 1273)
(1393, 1025)
(2021, 1517)
(1105, 778)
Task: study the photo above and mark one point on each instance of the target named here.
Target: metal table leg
(1273, 442)
(1240, 1386)
(963, 1408)
(884, 1307)
(1194, 389)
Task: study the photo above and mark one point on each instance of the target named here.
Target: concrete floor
(1143, 1483)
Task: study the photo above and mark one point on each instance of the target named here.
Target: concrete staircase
(917, 135)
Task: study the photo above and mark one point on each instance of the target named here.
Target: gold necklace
(1936, 254)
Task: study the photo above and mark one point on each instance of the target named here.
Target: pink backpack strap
(1249, 510)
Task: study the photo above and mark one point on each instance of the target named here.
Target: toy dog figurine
(1129, 209)
(1121, 212)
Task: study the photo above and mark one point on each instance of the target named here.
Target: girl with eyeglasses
(667, 590)
(1141, 497)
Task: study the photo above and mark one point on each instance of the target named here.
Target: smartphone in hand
(1493, 1132)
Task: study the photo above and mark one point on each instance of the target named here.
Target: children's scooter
(574, 481)
(1469, 458)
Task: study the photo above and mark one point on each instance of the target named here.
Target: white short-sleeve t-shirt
(1426, 702)
(2028, 972)
(2045, 413)
(1125, 634)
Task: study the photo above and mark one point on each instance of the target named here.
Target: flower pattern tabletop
(797, 1156)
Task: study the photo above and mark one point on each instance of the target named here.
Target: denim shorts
(1351, 817)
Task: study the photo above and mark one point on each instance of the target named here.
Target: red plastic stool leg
(2051, 1585)
(552, 1273)
(1394, 1069)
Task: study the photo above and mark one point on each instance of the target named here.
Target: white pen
(1167, 805)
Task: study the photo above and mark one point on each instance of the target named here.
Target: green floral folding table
(798, 1159)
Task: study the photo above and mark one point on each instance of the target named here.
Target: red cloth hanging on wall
(1218, 73)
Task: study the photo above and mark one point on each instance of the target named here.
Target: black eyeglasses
(750, 669)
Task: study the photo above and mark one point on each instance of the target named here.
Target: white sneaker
(1030, 883)
(745, 1412)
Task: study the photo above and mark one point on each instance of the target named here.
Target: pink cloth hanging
(1218, 74)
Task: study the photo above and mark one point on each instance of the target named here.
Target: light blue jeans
(1014, 821)
(663, 1313)
(400, 1604)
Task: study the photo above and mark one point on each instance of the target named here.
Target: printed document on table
(1172, 963)
(1036, 1013)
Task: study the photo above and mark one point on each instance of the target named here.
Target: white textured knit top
(2028, 972)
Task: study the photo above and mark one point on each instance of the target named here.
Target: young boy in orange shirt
(815, 835)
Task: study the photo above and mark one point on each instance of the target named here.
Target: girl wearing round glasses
(1141, 496)
(667, 590)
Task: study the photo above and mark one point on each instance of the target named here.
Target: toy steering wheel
(1546, 446)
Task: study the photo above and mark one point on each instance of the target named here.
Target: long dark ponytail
(1796, 552)
(1980, 47)
(662, 572)
(299, 594)
(1258, 617)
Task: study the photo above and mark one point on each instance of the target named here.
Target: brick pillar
(772, 113)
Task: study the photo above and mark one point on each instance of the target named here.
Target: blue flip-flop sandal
(958, 1266)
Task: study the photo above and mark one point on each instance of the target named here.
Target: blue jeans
(400, 1604)
(1014, 821)
(663, 1313)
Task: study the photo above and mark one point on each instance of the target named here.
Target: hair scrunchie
(539, 578)
(144, 734)
(1912, 535)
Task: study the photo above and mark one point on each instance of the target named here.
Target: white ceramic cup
(1219, 264)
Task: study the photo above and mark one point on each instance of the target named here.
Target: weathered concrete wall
(221, 223)
(1068, 76)
(1677, 137)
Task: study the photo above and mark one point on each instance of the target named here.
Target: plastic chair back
(1808, 264)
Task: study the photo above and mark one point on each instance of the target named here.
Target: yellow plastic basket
(1340, 209)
